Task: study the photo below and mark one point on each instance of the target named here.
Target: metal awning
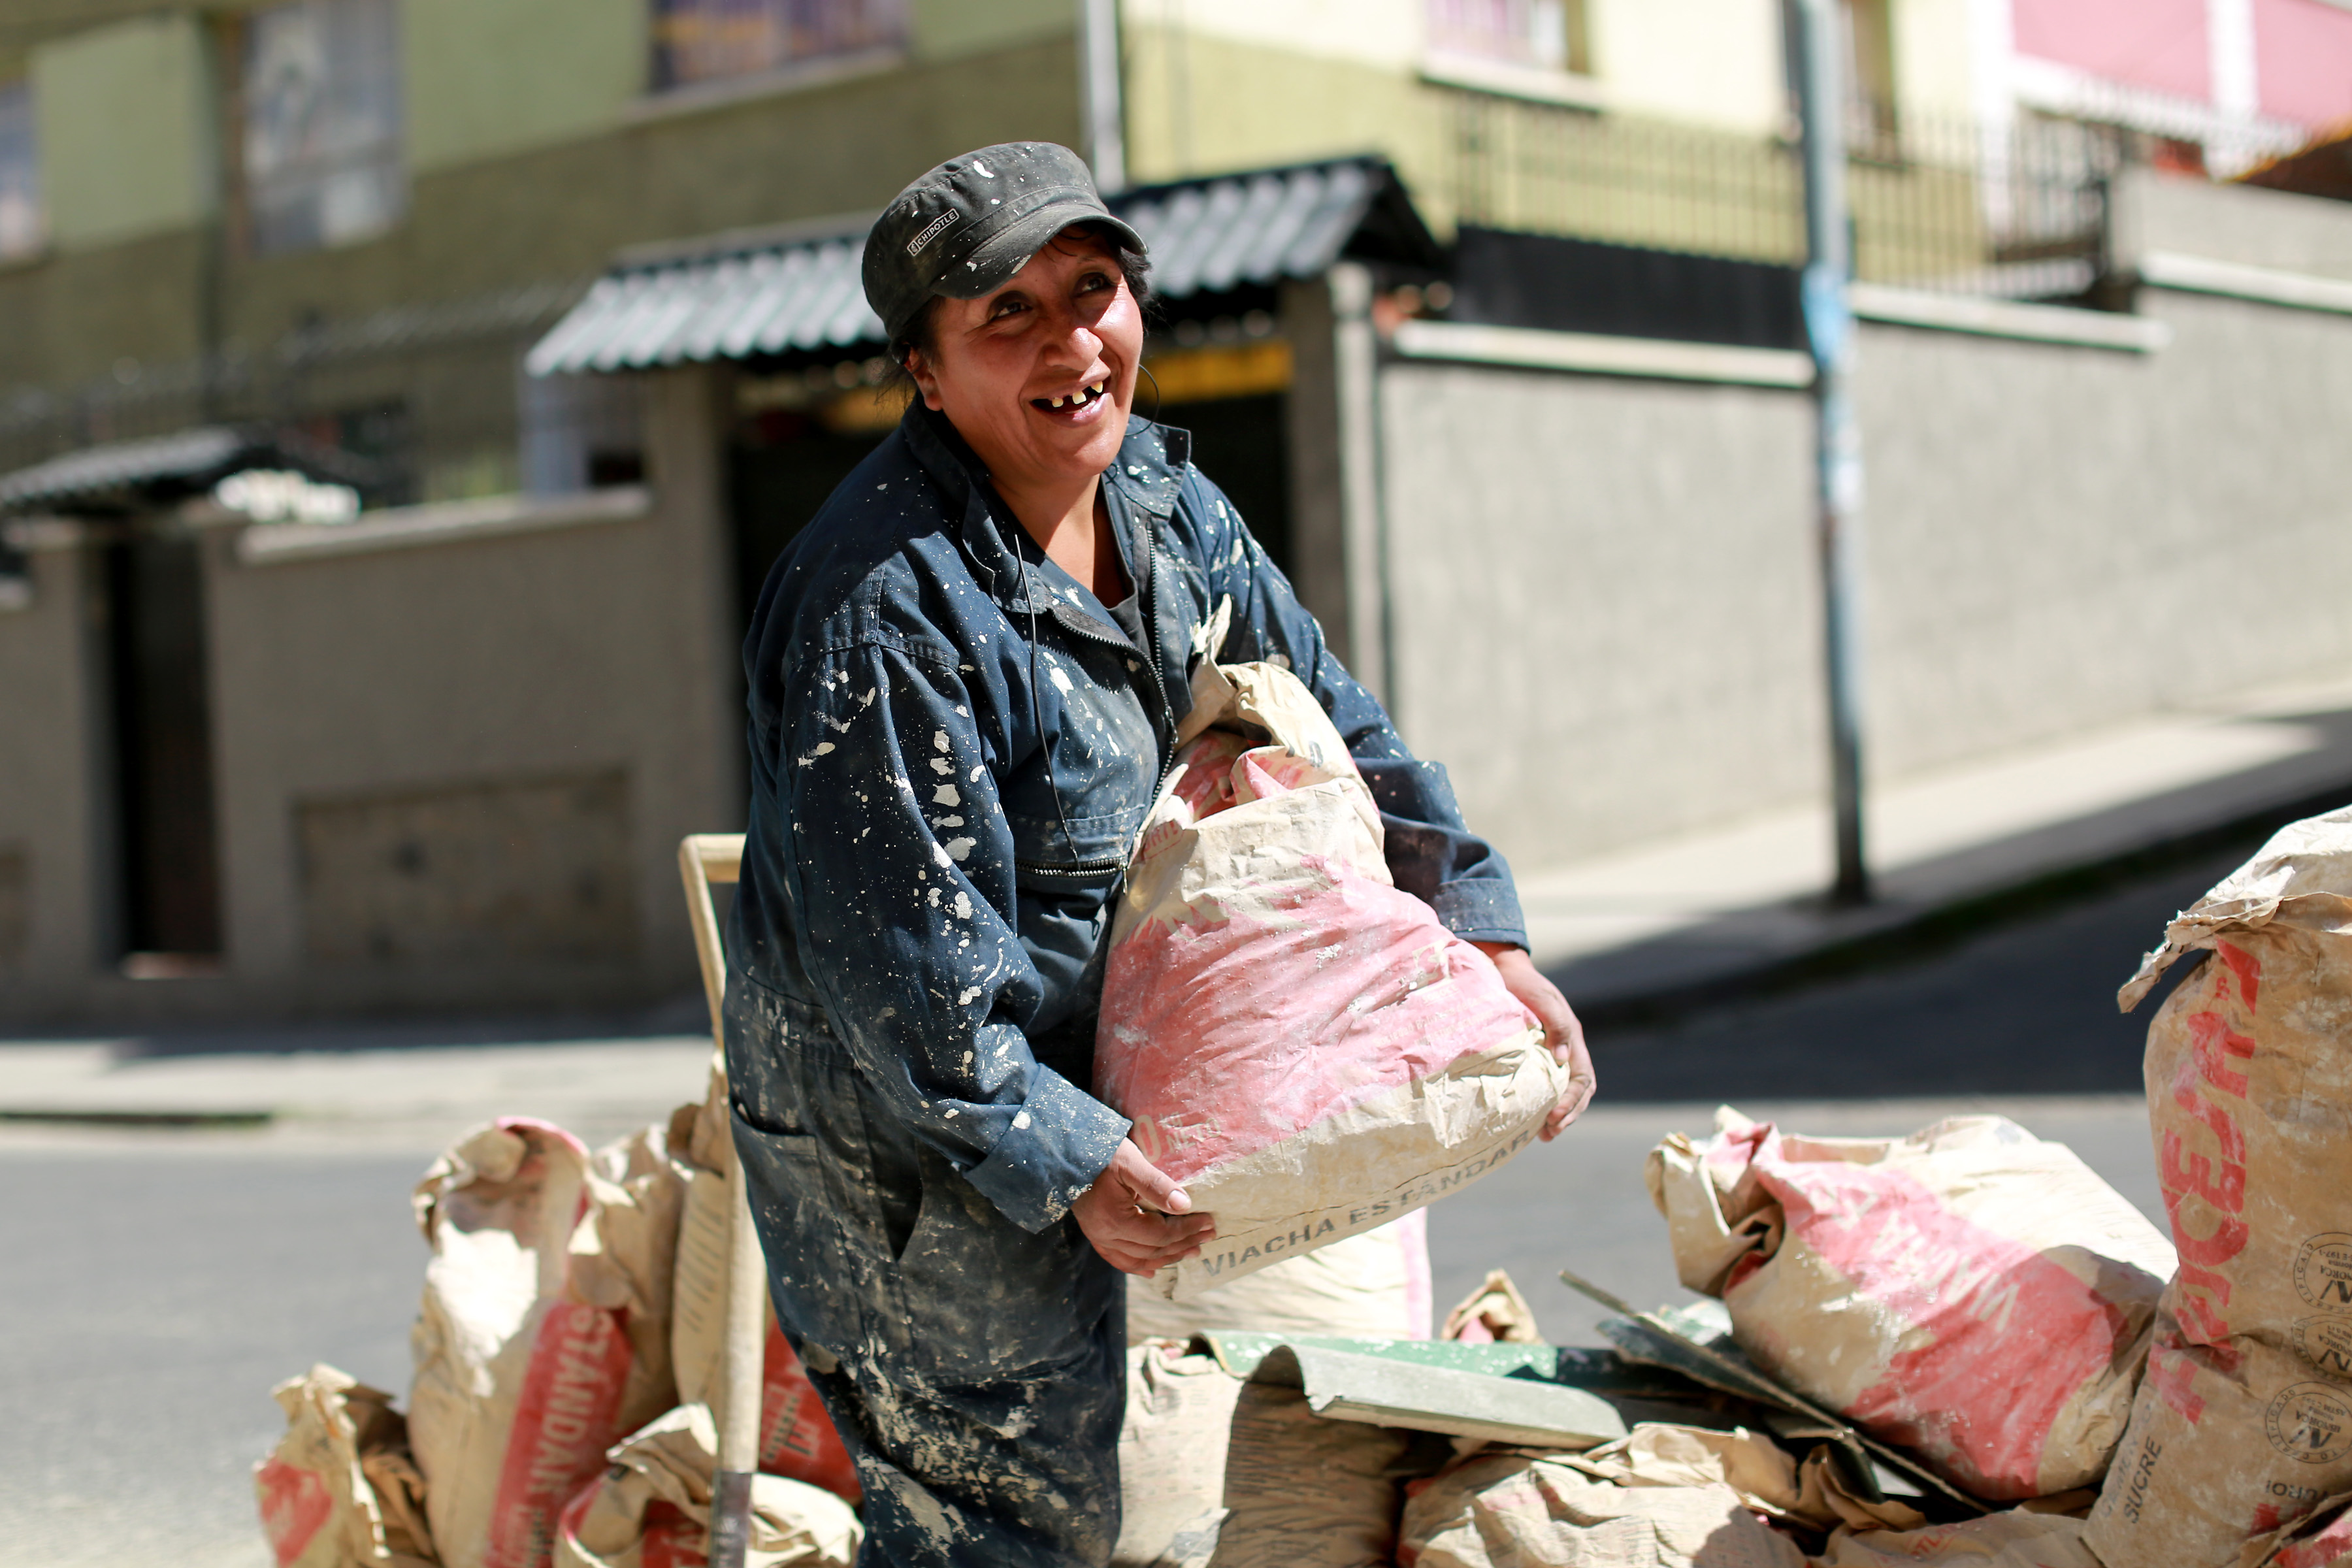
(125, 476)
(797, 291)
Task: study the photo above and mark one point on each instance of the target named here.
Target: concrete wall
(1605, 589)
(2232, 223)
(485, 681)
(1605, 612)
(2064, 538)
(450, 776)
(53, 904)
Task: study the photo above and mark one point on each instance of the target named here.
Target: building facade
(437, 754)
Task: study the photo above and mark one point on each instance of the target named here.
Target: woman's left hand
(1562, 1030)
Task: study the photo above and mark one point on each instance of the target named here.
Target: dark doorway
(1240, 443)
(783, 464)
(780, 467)
(162, 744)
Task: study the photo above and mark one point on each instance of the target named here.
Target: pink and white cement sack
(1301, 1045)
(2244, 1423)
(1970, 1292)
(544, 1334)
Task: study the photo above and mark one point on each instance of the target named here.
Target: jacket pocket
(984, 1298)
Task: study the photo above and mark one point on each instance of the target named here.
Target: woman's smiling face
(1039, 375)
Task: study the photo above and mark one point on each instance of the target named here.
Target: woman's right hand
(1140, 1221)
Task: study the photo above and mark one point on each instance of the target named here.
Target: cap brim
(995, 259)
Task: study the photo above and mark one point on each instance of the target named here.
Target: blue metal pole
(1829, 329)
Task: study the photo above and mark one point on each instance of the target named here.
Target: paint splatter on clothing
(976, 1369)
(952, 748)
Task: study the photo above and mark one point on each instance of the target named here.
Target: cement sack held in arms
(2244, 1422)
(1303, 1045)
(1970, 1292)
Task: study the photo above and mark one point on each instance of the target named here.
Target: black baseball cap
(971, 224)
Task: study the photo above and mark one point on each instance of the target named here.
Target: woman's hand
(1139, 1220)
(1562, 1030)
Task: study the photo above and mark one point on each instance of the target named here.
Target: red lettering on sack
(294, 1507)
(2228, 1240)
(797, 1439)
(671, 1539)
(2212, 1038)
(2184, 1174)
(2242, 964)
(2171, 1374)
(2220, 1185)
(2197, 1313)
(567, 1415)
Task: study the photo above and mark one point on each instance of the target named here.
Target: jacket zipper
(1084, 870)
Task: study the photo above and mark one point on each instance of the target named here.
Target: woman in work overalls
(965, 679)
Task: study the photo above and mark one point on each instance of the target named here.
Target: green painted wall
(1197, 103)
(560, 211)
(488, 78)
(126, 128)
(944, 29)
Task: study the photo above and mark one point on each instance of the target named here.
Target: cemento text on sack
(1416, 1194)
(2218, 1181)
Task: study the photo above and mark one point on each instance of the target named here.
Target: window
(710, 40)
(1870, 64)
(323, 123)
(1866, 39)
(1547, 35)
(23, 224)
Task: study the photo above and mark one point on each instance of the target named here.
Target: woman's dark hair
(922, 333)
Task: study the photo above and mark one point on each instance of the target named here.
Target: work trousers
(977, 1371)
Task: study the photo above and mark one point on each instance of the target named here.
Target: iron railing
(2020, 211)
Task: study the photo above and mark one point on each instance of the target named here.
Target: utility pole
(1837, 442)
(1098, 81)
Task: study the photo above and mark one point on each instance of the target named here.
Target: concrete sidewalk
(1671, 924)
(1653, 927)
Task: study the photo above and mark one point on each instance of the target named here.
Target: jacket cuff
(1481, 908)
(1057, 1144)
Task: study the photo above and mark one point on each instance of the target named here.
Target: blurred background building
(401, 401)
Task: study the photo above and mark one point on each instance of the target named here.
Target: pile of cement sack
(567, 1361)
(1954, 1347)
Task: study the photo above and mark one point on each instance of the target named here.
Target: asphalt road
(157, 1286)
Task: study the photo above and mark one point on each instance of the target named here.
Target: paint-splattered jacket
(952, 750)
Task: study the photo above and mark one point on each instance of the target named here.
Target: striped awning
(127, 475)
(798, 291)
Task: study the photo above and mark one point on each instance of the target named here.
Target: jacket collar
(1145, 478)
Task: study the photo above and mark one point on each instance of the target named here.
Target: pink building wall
(2155, 44)
(2303, 61)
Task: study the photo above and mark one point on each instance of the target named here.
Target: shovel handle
(704, 858)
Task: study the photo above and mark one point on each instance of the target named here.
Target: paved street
(159, 1282)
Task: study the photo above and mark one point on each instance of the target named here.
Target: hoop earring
(1145, 371)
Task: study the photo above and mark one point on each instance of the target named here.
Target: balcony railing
(2020, 212)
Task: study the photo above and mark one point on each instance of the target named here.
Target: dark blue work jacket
(953, 747)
